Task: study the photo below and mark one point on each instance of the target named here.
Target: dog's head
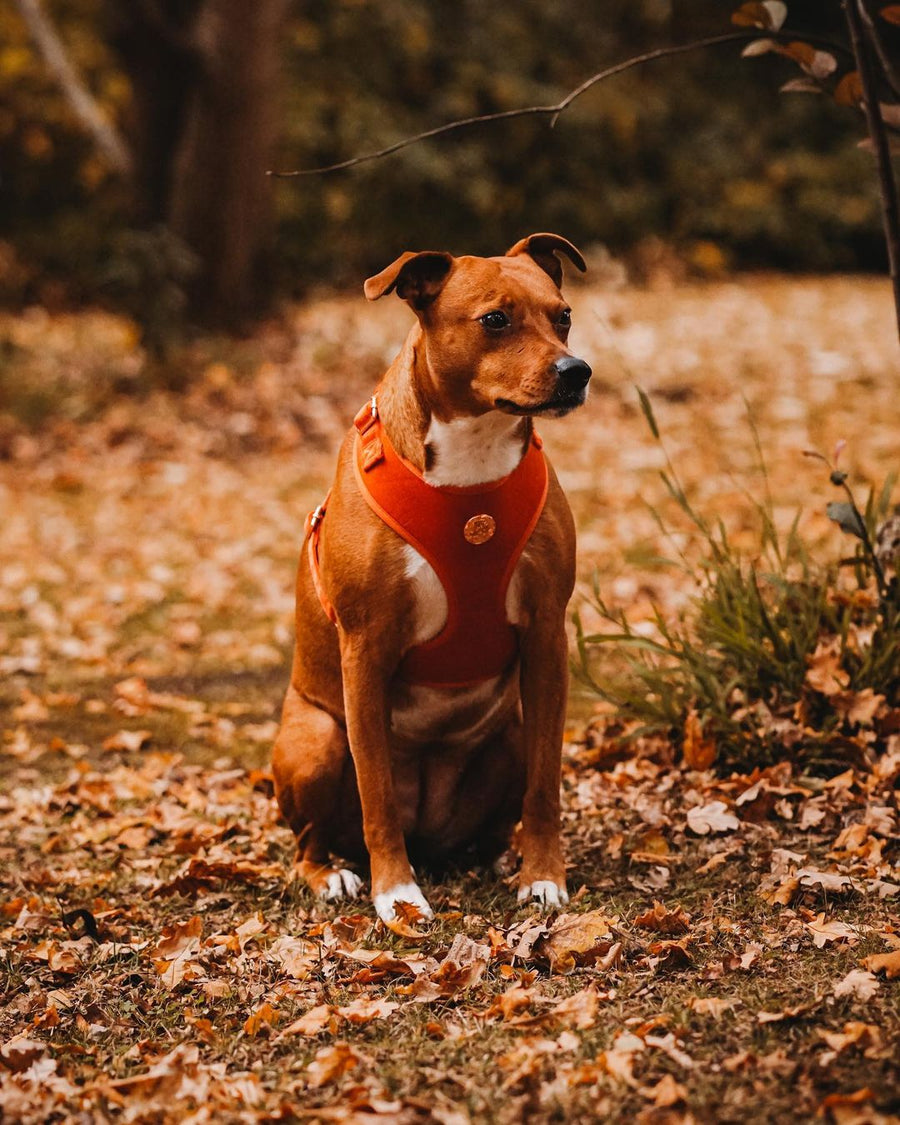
(494, 329)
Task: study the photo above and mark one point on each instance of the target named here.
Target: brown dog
(428, 690)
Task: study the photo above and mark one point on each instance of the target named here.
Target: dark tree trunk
(205, 78)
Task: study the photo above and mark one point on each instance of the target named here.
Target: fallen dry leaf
(699, 750)
(710, 1006)
(887, 963)
(130, 740)
(823, 933)
(855, 1033)
(787, 1013)
(664, 921)
(618, 1060)
(579, 1010)
(858, 983)
(331, 1063)
(366, 1010)
(173, 952)
(461, 969)
(712, 817)
(21, 1052)
(824, 672)
(264, 1016)
(579, 940)
(828, 881)
(666, 1093)
(312, 1022)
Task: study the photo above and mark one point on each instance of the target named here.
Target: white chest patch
(431, 601)
(469, 451)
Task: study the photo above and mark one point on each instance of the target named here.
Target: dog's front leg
(366, 681)
(544, 683)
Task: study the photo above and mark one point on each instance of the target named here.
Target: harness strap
(311, 530)
(472, 537)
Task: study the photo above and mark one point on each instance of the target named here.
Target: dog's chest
(453, 715)
(463, 453)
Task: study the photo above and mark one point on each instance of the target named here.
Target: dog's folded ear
(542, 248)
(418, 278)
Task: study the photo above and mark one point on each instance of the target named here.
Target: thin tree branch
(554, 111)
(70, 82)
(853, 10)
(887, 65)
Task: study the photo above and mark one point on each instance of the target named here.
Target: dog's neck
(458, 451)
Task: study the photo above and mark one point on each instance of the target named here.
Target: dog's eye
(495, 321)
(565, 319)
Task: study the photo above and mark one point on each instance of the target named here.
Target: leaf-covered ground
(732, 950)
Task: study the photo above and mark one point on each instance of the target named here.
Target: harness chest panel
(472, 537)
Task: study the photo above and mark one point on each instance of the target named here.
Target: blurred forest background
(698, 152)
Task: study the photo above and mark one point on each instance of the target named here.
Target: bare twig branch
(887, 65)
(76, 93)
(554, 111)
(854, 11)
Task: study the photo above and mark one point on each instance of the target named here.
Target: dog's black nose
(573, 373)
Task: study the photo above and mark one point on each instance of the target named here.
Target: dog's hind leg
(309, 763)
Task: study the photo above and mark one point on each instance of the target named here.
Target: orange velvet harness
(473, 558)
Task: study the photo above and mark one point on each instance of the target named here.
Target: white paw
(342, 884)
(545, 892)
(403, 892)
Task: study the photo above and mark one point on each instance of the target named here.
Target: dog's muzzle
(572, 377)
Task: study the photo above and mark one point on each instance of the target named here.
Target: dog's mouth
(554, 407)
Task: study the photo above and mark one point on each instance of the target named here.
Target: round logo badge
(479, 529)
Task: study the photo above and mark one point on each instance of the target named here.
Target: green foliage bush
(777, 656)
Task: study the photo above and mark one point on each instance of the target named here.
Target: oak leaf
(664, 921)
(825, 932)
(578, 940)
(859, 983)
(713, 817)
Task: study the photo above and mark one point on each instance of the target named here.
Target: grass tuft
(777, 654)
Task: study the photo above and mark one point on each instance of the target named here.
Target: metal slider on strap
(367, 424)
(313, 519)
(367, 417)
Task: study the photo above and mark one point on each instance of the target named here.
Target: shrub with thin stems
(778, 655)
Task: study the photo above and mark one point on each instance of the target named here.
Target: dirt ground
(732, 950)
